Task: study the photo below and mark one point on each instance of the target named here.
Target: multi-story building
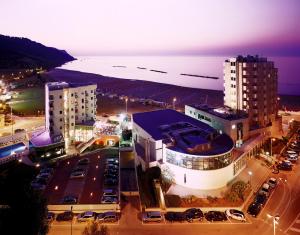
(251, 85)
(70, 110)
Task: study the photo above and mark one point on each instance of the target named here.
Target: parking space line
(292, 224)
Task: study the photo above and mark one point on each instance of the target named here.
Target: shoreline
(146, 90)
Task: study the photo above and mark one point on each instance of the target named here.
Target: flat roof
(221, 111)
(183, 131)
(60, 85)
(43, 138)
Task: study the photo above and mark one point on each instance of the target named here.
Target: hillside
(19, 53)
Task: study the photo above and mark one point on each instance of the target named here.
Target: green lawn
(29, 101)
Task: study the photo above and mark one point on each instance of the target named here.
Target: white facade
(68, 105)
(202, 170)
(237, 129)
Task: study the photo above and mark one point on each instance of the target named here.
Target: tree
(94, 229)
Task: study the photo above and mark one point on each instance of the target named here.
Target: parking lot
(87, 189)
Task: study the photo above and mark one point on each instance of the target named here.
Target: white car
(152, 216)
(109, 200)
(235, 214)
(110, 216)
(86, 216)
(77, 174)
(272, 182)
(291, 152)
(109, 192)
(292, 158)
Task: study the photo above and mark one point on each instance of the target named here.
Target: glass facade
(198, 162)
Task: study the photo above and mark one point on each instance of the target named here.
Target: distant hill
(18, 53)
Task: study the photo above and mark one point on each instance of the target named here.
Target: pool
(17, 148)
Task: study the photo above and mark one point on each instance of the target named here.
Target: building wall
(226, 126)
(2, 120)
(67, 106)
(251, 85)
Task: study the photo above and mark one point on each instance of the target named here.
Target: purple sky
(97, 27)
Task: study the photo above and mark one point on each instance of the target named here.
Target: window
(82, 100)
(60, 119)
(60, 127)
(60, 97)
(72, 94)
(51, 97)
(51, 113)
(60, 112)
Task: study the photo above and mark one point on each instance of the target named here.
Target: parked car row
(79, 171)
(110, 193)
(105, 217)
(261, 197)
(194, 214)
(42, 179)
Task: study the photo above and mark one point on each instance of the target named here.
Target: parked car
(272, 182)
(111, 171)
(65, 216)
(235, 214)
(70, 199)
(111, 166)
(110, 181)
(215, 216)
(285, 165)
(110, 192)
(83, 162)
(47, 170)
(78, 169)
(261, 198)
(254, 209)
(86, 216)
(114, 161)
(110, 216)
(38, 187)
(291, 152)
(77, 174)
(265, 189)
(292, 158)
(109, 200)
(175, 216)
(152, 216)
(194, 214)
(50, 217)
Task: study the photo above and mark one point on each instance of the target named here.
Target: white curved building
(196, 154)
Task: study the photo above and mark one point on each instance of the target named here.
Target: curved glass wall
(198, 162)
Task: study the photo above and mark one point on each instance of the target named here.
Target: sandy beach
(148, 90)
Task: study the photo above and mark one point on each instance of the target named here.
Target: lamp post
(275, 221)
(72, 220)
(271, 152)
(174, 101)
(250, 176)
(126, 101)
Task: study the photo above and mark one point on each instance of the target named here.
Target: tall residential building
(70, 110)
(251, 85)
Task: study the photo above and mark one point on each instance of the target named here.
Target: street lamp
(174, 101)
(126, 101)
(250, 176)
(275, 221)
(272, 139)
(71, 220)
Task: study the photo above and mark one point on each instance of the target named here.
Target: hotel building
(70, 110)
(251, 85)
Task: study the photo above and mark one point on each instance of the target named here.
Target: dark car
(110, 181)
(284, 165)
(66, 216)
(83, 162)
(50, 217)
(194, 214)
(175, 216)
(70, 200)
(254, 209)
(261, 198)
(215, 216)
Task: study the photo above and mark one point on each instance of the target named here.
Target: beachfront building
(70, 110)
(251, 85)
(225, 120)
(198, 156)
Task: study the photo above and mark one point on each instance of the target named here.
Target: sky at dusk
(98, 27)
